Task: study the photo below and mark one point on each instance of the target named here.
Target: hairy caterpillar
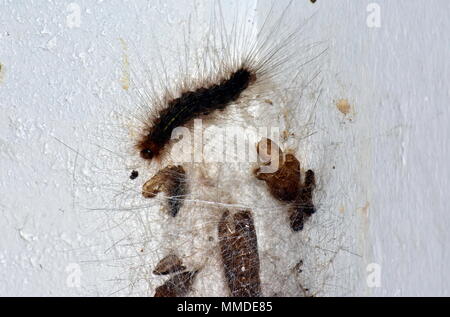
(283, 95)
(239, 63)
(192, 104)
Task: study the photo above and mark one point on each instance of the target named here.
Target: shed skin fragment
(168, 265)
(177, 286)
(303, 206)
(171, 180)
(285, 184)
(239, 253)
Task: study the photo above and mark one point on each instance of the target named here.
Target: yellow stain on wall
(365, 209)
(2, 73)
(343, 106)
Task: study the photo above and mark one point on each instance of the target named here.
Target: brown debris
(168, 265)
(177, 286)
(285, 184)
(171, 180)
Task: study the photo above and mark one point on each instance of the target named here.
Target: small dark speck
(313, 1)
(298, 266)
(134, 174)
(334, 167)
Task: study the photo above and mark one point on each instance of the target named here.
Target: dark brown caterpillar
(236, 57)
(285, 184)
(172, 181)
(239, 252)
(177, 286)
(168, 265)
(190, 105)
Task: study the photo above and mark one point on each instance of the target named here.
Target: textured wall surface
(385, 82)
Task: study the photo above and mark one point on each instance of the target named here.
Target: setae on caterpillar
(238, 64)
(191, 105)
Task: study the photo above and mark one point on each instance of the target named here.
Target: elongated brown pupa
(239, 253)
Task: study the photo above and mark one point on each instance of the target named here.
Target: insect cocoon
(176, 176)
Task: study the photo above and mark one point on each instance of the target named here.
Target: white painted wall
(392, 167)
